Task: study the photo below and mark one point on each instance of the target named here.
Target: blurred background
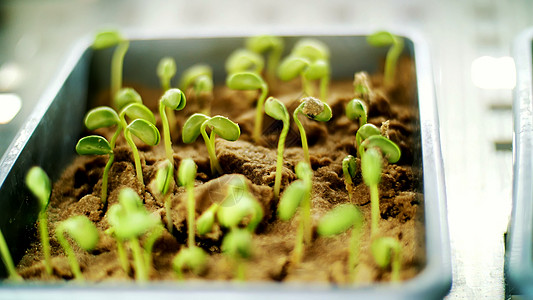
(469, 41)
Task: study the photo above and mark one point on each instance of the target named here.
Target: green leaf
(390, 150)
(238, 243)
(244, 60)
(191, 128)
(126, 96)
(311, 49)
(145, 131)
(349, 166)
(263, 43)
(93, 145)
(82, 231)
(187, 172)
(367, 131)
(106, 39)
(138, 111)
(205, 222)
(174, 98)
(315, 109)
(191, 75)
(381, 250)
(291, 199)
(339, 219)
(380, 39)
(355, 109)
(39, 184)
(277, 110)
(245, 81)
(193, 258)
(371, 166)
(163, 177)
(101, 117)
(224, 128)
(291, 67)
(166, 68)
(317, 70)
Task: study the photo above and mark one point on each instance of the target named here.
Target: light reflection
(10, 105)
(493, 73)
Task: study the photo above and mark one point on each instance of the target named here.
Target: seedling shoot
(164, 181)
(383, 39)
(186, 176)
(271, 44)
(356, 109)
(349, 171)
(173, 99)
(8, 260)
(388, 251)
(244, 60)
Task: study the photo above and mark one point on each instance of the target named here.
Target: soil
(77, 192)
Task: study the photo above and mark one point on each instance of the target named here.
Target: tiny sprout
(277, 110)
(382, 39)
(149, 242)
(298, 194)
(361, 84)
(172, 99)
(337, 221)
(388, 148)
(267, 43)
(363, 133)
(110, 38)
(314, 109)
(251, 81)
(349, 170)
(186, 175)
(356, 109)
(237, 244)
(39, 184)
(83, 232)
(166, 69)
(371, 167)
(194, 258)
(238, 206)
(200, 79)
(244, 60)
(219, 125)
(311, 49)
(164, 179)
(205, 222)
(8, 260)
(387, 250)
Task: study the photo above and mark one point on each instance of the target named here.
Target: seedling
(298, 194)
(277, 110)
(251, 81)
(173, 99)
(219, 125)
(164, 179)
(130, 220)
(192, 258)
(387, 251)
(8, 260)
(149, 242)
(349, 170)
(361, 84)
(271, 44)
(39, 184)
(186, 176)
(382, 39)
(110, 38)
(199, 78)
(356, 109)
(364, 132)
(205, 222)
(311, 49)
(83, 232)
(337, 221)
(244, 60)
(293, 66)
(314, 109)
(126, 96)
(166, 69)
(237, 244)
(97, 145)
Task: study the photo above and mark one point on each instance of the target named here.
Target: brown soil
(325, 259)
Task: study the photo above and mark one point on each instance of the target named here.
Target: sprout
(200, 79)
(149, 242)
(186, 175)
(126, 96)
(110, 38)
(244, 60)
(83, 232)
(387, 250)
(130, 220)
(298, 194)
(219, 125)
(193, 258)
(166, 69)
(237, 244)
(356, 109)
(205, 222)
(8, 260)
(277, 110)
(251, 81)
(382, 39)
(314, 109)
(164, 179)
(311, 49)
(271, 44)
(39, 184)
(349, 170)
(337, 221)
(173, 99)
(361, 84)
(363, 133)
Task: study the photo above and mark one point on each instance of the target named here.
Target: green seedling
(126, 96)
(149, 242)
(237, 244)
(166, 69)
(129, 221)
(383, 39)
(311, 49)
(164, 180)
(186, 176)
(271, 44)
(173, 99)
(293, 66)
(244, 60)
(313, 109)
(8, 260)
(110, 38)
(356, 109)
(84, 233)
(364, 132)
(340, 219)
(361, 85)
(388, 251)
(122, 256)
(39, 184)
(199, 78)
(251, 81)
(298, 194)
(205, 222)
(219, 125)
(277, 110)
(192, 258)
(349, 169)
